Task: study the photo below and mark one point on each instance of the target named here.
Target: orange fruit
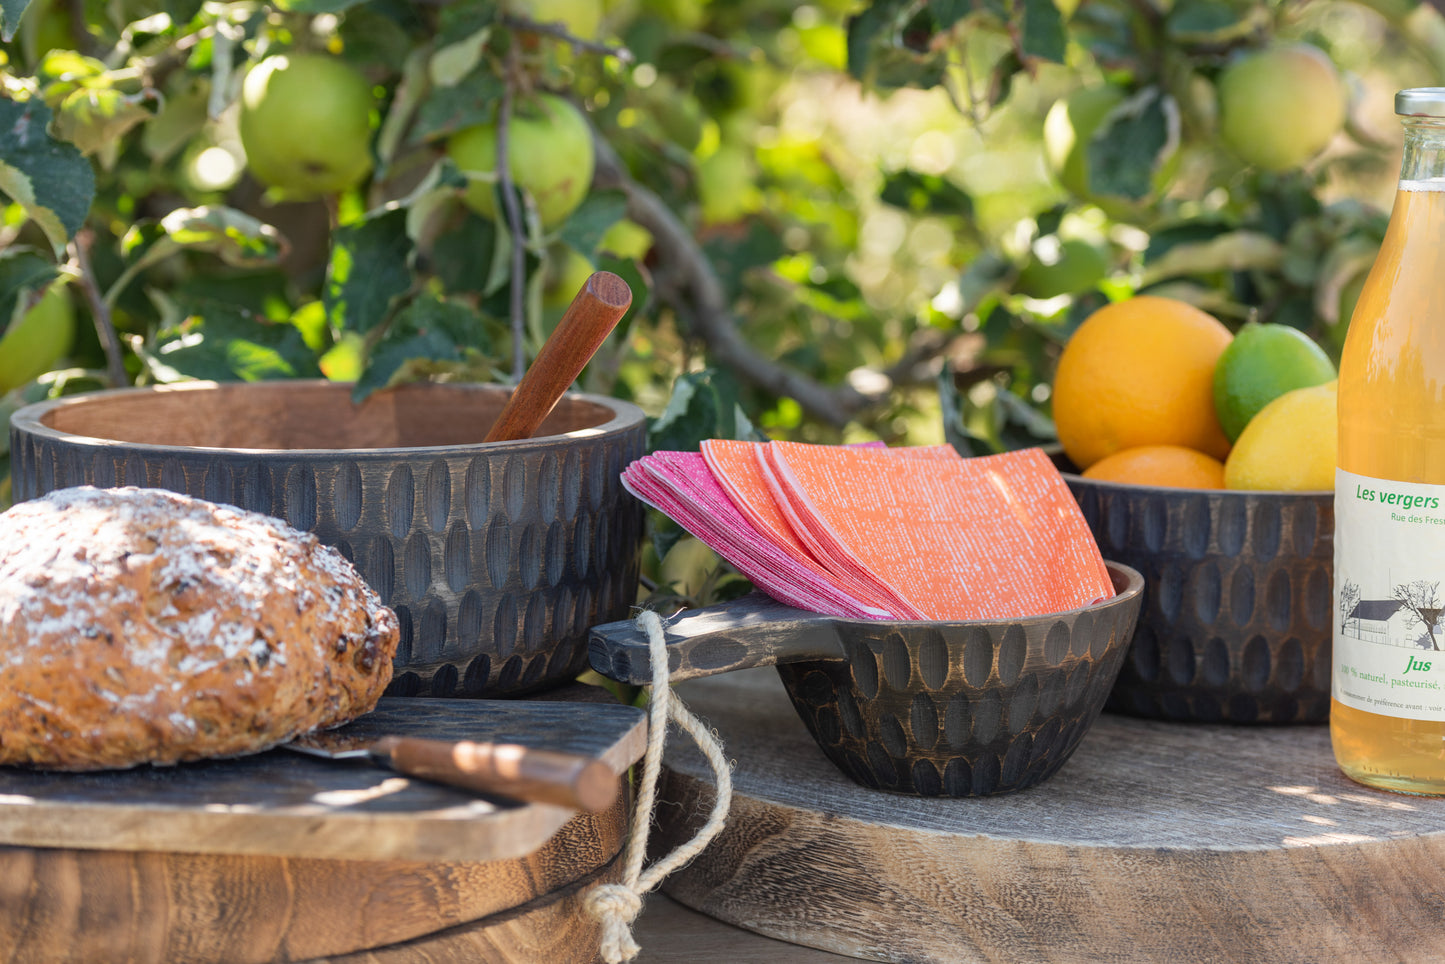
(1171, 465)
(1140, 372)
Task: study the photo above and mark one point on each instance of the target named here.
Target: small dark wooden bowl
(1236, 624)
(496, 557)
(958, 709)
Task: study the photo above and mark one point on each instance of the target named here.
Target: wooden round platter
(1157, 842)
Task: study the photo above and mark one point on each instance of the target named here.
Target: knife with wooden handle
(499, 769)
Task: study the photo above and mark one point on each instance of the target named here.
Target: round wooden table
(1157, 842)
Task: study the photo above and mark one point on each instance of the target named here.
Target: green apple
(306, 123)
(31, 346)
(626, 239)
(725, 185)
(550, 153)
(688, 565)
(567, 271)
(682, 14)
(580, 18)
(1280, 106)
(677, 113)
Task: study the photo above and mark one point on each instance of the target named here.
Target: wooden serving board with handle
(283, 857)
(288, 805)
(1156, 843)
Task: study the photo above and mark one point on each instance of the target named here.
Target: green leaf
(1001, 77)
(926, 194)
(410, 93)
(380, 34)
(21, 273)
(181, 118)
(1022, 425)
(868, 32)
(1231, 251)
(236, 238)
(946, 13)
(983, 275)
(1050, 220)
(438, 334)
(732, 258)
(463, 18)
(95, 119)
(463, 257)
(182, 11)
(598, 212)
(317, 6)
(48, 178)
(1041, 30)
(221, 342)
(456, 320)
(1214, 21)
(369, 269)
(450, 109)
(1184, 232)
(1129, 145)
(703, 405)
(1284, 201)
(10, 13)
(956, 432)
(453, 62)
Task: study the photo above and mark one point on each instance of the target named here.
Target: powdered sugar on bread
(139, 625)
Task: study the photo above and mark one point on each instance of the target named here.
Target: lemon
(1289, 445)
(1261, 364)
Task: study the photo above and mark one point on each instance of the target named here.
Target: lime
(1261, 364)
(1289, 445)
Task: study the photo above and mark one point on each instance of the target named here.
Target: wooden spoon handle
(590, 318)
(504, 769)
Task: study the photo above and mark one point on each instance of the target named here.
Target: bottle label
(1389, 634)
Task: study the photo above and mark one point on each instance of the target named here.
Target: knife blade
(500, 769)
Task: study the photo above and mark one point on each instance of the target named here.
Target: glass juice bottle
(1387, 714)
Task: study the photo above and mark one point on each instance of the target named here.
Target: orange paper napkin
(983, 538)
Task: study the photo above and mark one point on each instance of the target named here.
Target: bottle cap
(1421, 102)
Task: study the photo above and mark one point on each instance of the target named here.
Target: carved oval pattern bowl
(1236, 624)
(497, 557)
(955, 709)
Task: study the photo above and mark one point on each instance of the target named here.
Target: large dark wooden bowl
(956, 709)
(1236, 625)
(496, 557)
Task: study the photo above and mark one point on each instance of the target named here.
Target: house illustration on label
(1392, 621)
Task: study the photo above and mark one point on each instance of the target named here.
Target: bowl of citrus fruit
(1205, 459)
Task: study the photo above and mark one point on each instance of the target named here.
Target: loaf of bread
(142, 626)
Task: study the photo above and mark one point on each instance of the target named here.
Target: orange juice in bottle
(1387, 715)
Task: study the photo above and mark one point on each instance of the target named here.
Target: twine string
(616, 906)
